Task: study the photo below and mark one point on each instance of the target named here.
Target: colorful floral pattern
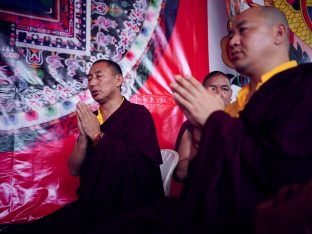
(43, 68)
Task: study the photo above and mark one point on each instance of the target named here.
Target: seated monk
(188, 137)
(117, 157)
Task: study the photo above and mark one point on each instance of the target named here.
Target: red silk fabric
(36, 182)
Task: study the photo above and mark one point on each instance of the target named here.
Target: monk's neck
(110, 106)
(253, 84)
(256, 75)
(254, 81)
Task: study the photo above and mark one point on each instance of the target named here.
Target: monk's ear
(119, 80)
(280, 33)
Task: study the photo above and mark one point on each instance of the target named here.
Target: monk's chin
(240, 68)
(101, 101)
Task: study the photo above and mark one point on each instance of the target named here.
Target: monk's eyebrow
(237, 26)
(96, 73)
(241, 23)
(215, 86)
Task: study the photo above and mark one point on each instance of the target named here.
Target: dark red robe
(120, 174)
(240, 163)
(244, 161)
(290, 212)
(186, 126)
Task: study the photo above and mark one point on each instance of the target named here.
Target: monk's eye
(230, 35)
(225, 89)
(99, 75)
(242, 30)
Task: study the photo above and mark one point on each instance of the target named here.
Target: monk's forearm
(77, 156)
(180, 172)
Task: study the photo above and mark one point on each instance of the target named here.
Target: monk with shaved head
(243, 161)
(116, 156)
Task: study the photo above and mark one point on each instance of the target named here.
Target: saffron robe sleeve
(122, 172)
(244, 161)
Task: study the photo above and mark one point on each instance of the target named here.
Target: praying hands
(194, 100)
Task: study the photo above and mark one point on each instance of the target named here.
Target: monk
(244, 161)
(188, 137)
(117, 157)
(118, 161)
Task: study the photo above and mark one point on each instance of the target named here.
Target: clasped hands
(194, 100)
(87, 122)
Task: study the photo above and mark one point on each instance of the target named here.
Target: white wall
(217, 29)
(217, 21)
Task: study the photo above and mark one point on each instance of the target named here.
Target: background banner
(46, 49)
(299, 17)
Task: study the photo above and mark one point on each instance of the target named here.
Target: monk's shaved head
(274, 16)
(259, 32)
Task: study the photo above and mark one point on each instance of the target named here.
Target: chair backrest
(170, 160)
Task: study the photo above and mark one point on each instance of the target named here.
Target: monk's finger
(182, 87)
(195, 84)
(78, 109)
(190, 83)
(183, 103)
(183, 83)
(189, 88)
(85, 110)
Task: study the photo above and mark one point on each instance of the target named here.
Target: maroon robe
(240, 163)
(290, 212)
(186, 126)
(244, 161)
(122, 172)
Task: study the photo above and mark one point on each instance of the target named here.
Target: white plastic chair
(170, 160)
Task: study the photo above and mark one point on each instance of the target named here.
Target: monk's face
(251, 41)
(103, 83)
(219, 84)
